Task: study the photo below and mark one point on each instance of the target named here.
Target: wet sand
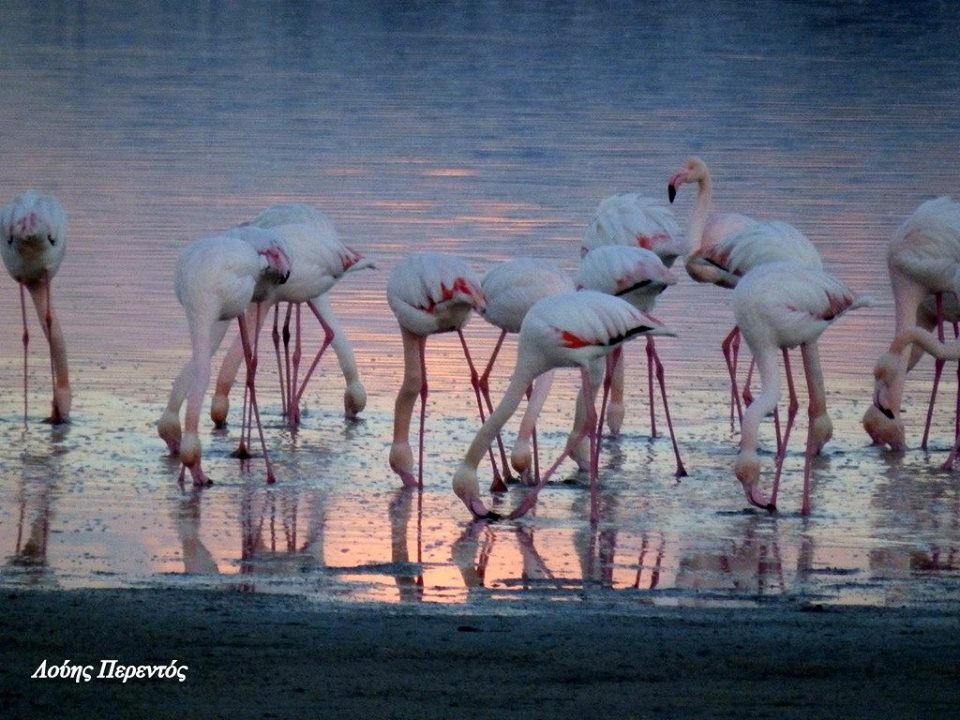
(249, 655)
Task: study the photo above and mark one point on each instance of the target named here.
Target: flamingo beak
(671, 191)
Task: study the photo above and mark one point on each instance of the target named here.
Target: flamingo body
(638, 220)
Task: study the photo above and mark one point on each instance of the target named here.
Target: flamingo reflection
(401, 513)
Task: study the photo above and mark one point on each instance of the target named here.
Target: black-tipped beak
(285, 277)
(886, 411)
(671, 191)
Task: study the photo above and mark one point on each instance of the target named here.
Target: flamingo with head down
(429, 293)
(576, 329)
(779, 306)
(923, 259)
(216, 279)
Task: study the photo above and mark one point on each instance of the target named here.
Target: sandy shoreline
(269, 656)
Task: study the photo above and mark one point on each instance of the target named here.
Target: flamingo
(636, 220)
(511, 288)
(638, 276)
(778, 306)
(724, 263)
(574, 329)
(318, 261)
(216, 279)
(923, 258)
(429, 293)
(34, 228)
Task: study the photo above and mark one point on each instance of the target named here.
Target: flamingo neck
(515, 392)
(765, 402)
(700, 213)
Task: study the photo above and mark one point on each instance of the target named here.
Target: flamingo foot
(242, 452)
(681, 471)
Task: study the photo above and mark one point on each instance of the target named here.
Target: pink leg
(938, 365)
(26, 342)
(652, 362)
(249, 352)
(791, 416)
(498, 485)
(424, 391)
(327, 339)
(661, 380)
(40, 293)
(731, 347)
(818, 406)
(589, 428)
(276, 349)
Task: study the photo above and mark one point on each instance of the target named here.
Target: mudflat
(243, 655)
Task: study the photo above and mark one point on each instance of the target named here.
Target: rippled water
(486, 130)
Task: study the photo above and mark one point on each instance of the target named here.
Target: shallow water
(486, 131)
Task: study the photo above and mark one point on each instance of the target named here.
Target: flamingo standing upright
(318, 261)
(923, 258)
(429, 293)
(639, 277)
(511, 288)
(778, 306)
(575, 329)
(34, 228)
(216, 279)
(635, 220)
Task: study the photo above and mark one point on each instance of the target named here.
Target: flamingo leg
(817, 408)
(498, 485)
(328, 335)
(424, 391)
(40, 293)
(286, 359)
(26, 343)
(731, 349)
(791, 416)
(651, 365)
(661, 380)
(401, 457)
(938, 365)
(589, 428)
(250, 355)
(275, 336)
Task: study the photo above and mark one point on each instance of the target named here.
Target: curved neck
(765, 402)
(515, 392)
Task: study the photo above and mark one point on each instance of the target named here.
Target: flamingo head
(747, 469)
(694, 170)
(881, 420)
(468, 490)
(354, 399)
(277, 263)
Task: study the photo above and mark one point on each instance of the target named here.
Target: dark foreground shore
(256, 656)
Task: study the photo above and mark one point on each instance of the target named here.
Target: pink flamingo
(923, 259)
(429, 293)
(638, 276)
(318, 261)
(34, 228)
(574, 329)
(511, 288)
(635, 220)
(778, 306)
(216, 279)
